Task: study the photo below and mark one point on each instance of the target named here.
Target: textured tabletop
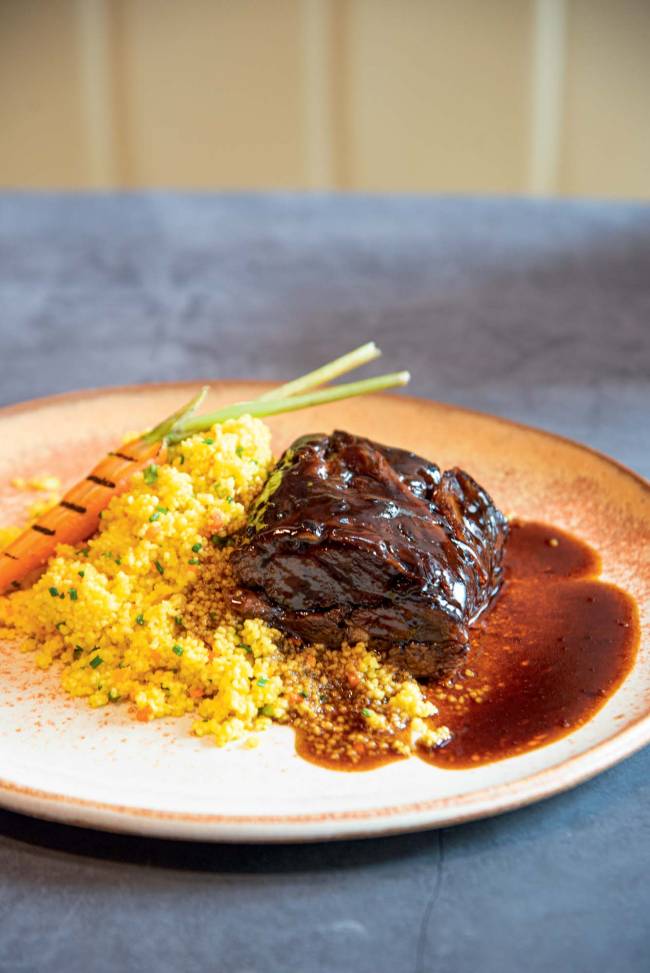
(537, 311)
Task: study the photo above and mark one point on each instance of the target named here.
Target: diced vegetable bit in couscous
(138, 615)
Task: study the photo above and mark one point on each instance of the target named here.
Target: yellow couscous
(138, 616)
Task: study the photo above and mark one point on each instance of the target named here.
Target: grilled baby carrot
(76, 516)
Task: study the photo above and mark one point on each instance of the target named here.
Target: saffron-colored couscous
(138, 615)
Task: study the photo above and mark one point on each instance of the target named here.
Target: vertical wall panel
(606, 134)
(439, 94)
(42, 141)
(213, 92)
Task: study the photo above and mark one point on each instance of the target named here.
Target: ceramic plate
(60, 759)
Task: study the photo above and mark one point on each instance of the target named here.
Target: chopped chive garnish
(262, 681)
(58, 625)
(181, 459)
(73, 594)
(365, 712)
(194, 560)
(208, 441)
(218, 541)
(177, 649)
(85, 551)
(179, 621)
(267, 710)
(229, 499)
(240, 451)
(154, 516)
(96, 661)
(159, 568)
(114, 696)
(78, 652)
(82, 574)
(150, 473)
(196, 548)
(303, 694)
(54, 592)
(242, 645)
(139, 619)
(163, 510)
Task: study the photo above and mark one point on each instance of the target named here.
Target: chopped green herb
(114, 696)
(213, 617)
(194, 560)
(58, 625)
(242, 645)
(78, 652)
(118, 560)
(208, 441)
(139, 619)
(73, 594)
(177, 649)
(96, 661)
(262, 681)
(154, 516)
(240, 451)
(268, 710)
(230, 499)
(159, 568)
(85, 551)
(179, 621)
(82, 574)
(303, 694)
(150, 473)
(163, 510)
(54, 592)
(218, 541)
(107, 554)
(196, 548)
(365, 712)
(181, 459)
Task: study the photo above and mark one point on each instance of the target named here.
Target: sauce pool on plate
(553, 648)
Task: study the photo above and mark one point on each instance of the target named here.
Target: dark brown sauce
(554, 647)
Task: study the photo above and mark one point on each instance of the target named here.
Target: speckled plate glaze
(61, 760)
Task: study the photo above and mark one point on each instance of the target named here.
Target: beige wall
(541, 96)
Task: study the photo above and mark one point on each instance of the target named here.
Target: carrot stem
(326, 373)
(188, 426)
(163, 428)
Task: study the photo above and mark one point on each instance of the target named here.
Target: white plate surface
(97, 768)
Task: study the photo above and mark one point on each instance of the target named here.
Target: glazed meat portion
(351, 540)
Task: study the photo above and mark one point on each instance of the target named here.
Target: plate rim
(327, 825)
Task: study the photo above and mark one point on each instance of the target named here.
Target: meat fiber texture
(352, 540)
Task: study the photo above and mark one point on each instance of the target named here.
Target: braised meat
(351, 540)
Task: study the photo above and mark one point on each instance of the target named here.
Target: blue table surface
(535, 310)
